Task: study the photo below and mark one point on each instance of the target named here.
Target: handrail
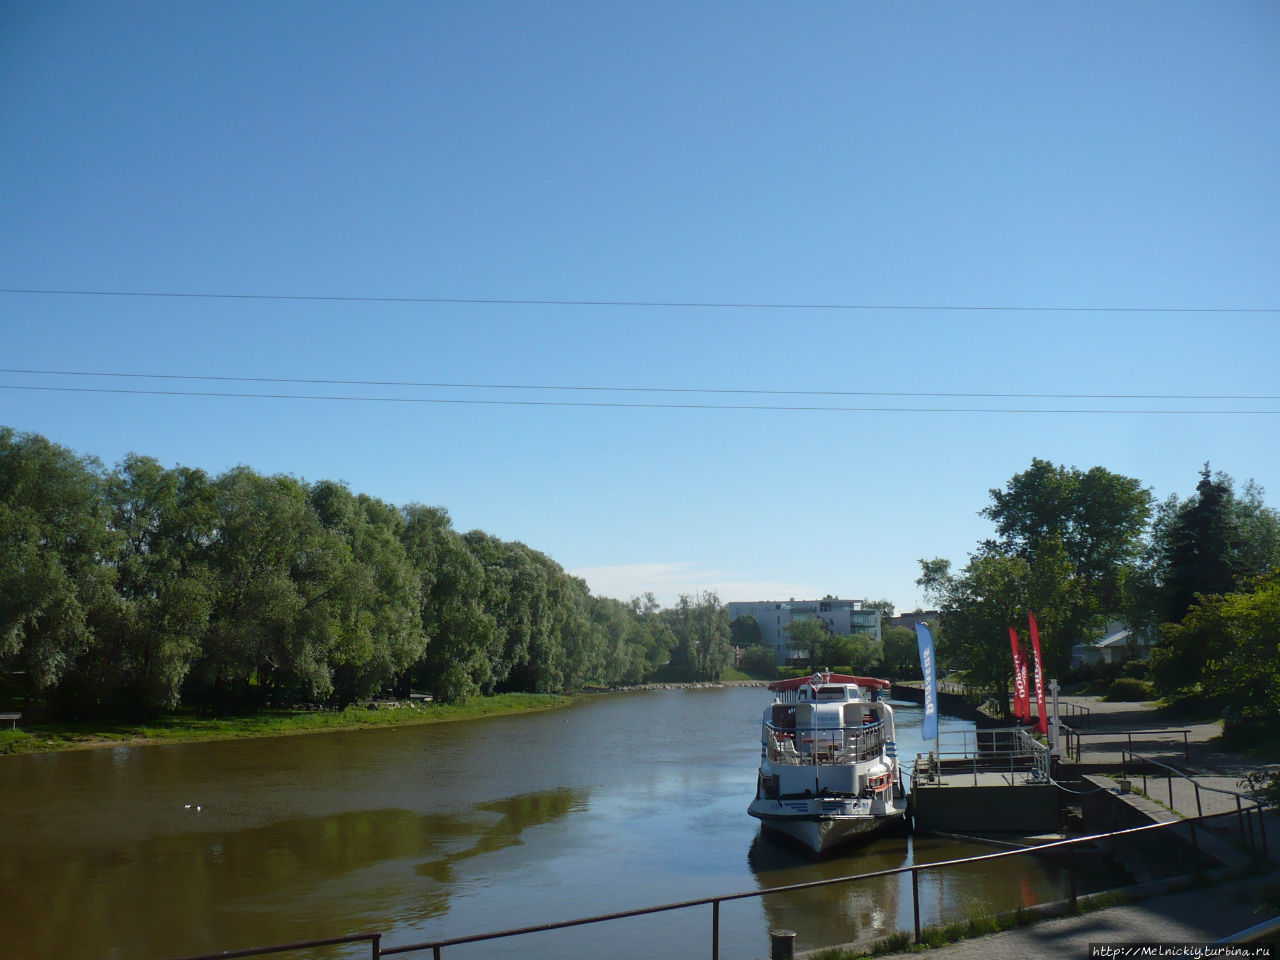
(1240, 811)
(867, 740)
(1129, 735)
(437, 946)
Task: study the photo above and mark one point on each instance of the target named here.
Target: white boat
(828, 761)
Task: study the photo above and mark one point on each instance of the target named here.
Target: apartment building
(842, 617)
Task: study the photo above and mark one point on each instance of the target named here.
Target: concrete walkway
(1203, 757)
(1194, 916)
(1199, 915)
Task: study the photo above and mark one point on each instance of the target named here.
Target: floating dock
(986, 781)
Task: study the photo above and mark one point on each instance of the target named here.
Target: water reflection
(333, 874)
(468, 839)
(864, 911)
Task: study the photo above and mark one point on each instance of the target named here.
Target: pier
(986, 781)
(1131, 766)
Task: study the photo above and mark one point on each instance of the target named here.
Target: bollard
(782, 944)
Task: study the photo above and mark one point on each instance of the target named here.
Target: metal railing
(805, 746)
(1128, 756)
(1007, 750)
(1073, 734)
(438, 946)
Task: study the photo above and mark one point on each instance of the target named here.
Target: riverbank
(190, 728)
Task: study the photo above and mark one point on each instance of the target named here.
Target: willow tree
(55, 541)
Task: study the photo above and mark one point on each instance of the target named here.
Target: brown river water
(615, 803)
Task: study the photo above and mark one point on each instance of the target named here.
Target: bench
(14, 717)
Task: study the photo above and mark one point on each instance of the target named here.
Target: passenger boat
(828, 761)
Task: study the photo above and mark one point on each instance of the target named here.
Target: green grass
(188, 727)
(979, 923)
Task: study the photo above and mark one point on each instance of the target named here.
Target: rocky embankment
(706, 685)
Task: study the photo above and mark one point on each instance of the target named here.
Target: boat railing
(805, 746)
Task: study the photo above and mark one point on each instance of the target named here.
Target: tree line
(126, 592)
(1199, 576)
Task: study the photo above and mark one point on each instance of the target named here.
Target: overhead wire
(333, 381)
(682, 304)
(627, 405)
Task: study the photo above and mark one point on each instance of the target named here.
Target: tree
(860, 653)
(54, 541)
(700, 626)
(1210, 544)
(1088, 525)
(760, 661)
(901, 652)
(379, 635)
(1234, 639)
(1200, 554)
(810, 634)
(277, 617)
(884, 606)
(154, 628)
(459, 633)
(745, 632)
(653, 633)
(995, 591)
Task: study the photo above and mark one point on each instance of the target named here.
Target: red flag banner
(1021, 701)
(1042, 724)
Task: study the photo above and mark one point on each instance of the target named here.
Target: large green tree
(1067, 548)
(278, 615)
(1213, 544)
(1210, 544)
(1236, 643)
(745, 632)
(700, 626)
(153, 630)
(901, 652)
(459, 632)
(379, 632)
(1093, 519)
(55, 545)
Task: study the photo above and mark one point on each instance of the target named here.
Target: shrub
(759, 662)
(1135, 668)
(1130, 688)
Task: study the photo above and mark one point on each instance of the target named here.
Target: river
(433, 831)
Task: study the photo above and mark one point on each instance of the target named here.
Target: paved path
(1204, 757)
(1196, 916)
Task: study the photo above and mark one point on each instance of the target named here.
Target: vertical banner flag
(1021, 701)
(1043, 723)
(929, 725)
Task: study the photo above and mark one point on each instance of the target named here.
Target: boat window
(784, 715)
(831, 693)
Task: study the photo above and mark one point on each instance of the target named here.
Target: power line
(615, 404)
(632, 389)
(684, 304)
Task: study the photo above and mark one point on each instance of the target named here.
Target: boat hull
(821, 830)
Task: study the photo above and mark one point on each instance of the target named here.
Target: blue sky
(924, 155)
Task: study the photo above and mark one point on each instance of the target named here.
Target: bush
(1130, 689)
(759, 662)
(1137, 669)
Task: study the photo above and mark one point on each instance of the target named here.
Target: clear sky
(1116, 155)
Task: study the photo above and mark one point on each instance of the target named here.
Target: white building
(842, 617)
(1118, 643)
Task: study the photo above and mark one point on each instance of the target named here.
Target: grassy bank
(190, 728)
